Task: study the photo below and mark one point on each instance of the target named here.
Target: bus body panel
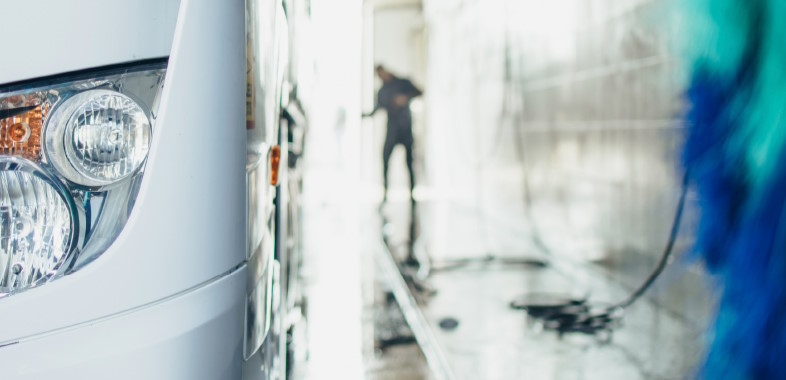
(190, 288)
(48, 37)
(186, 337)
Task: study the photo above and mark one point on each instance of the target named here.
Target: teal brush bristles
(735, 153)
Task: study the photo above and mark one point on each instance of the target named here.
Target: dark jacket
(399, 117)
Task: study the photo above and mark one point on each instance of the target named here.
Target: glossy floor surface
(492, 341)
(661, 336)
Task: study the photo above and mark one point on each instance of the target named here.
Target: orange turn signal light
(275, 163)
(20, 135)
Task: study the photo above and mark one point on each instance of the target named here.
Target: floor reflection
(493, 341)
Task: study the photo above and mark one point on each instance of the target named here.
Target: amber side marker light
(275, 161)
(20, 135)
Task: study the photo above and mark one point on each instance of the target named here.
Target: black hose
(667, 253)
(565, 315)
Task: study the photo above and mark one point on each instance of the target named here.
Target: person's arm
(369, 114)
(382, 101)
(413, 91)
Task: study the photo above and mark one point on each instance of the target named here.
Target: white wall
(578, 100)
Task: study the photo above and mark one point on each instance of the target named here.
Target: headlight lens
(72, 154)
(98, 137)
(37, 225)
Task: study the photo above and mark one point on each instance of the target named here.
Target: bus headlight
(97, 137)
(37, 225)
(72, 155)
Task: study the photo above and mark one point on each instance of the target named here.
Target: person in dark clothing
(394, 96)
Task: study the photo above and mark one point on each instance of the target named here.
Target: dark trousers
(391, 141)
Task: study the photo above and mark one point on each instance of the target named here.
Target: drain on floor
(448, 323)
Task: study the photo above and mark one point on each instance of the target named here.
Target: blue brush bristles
(735, 154)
